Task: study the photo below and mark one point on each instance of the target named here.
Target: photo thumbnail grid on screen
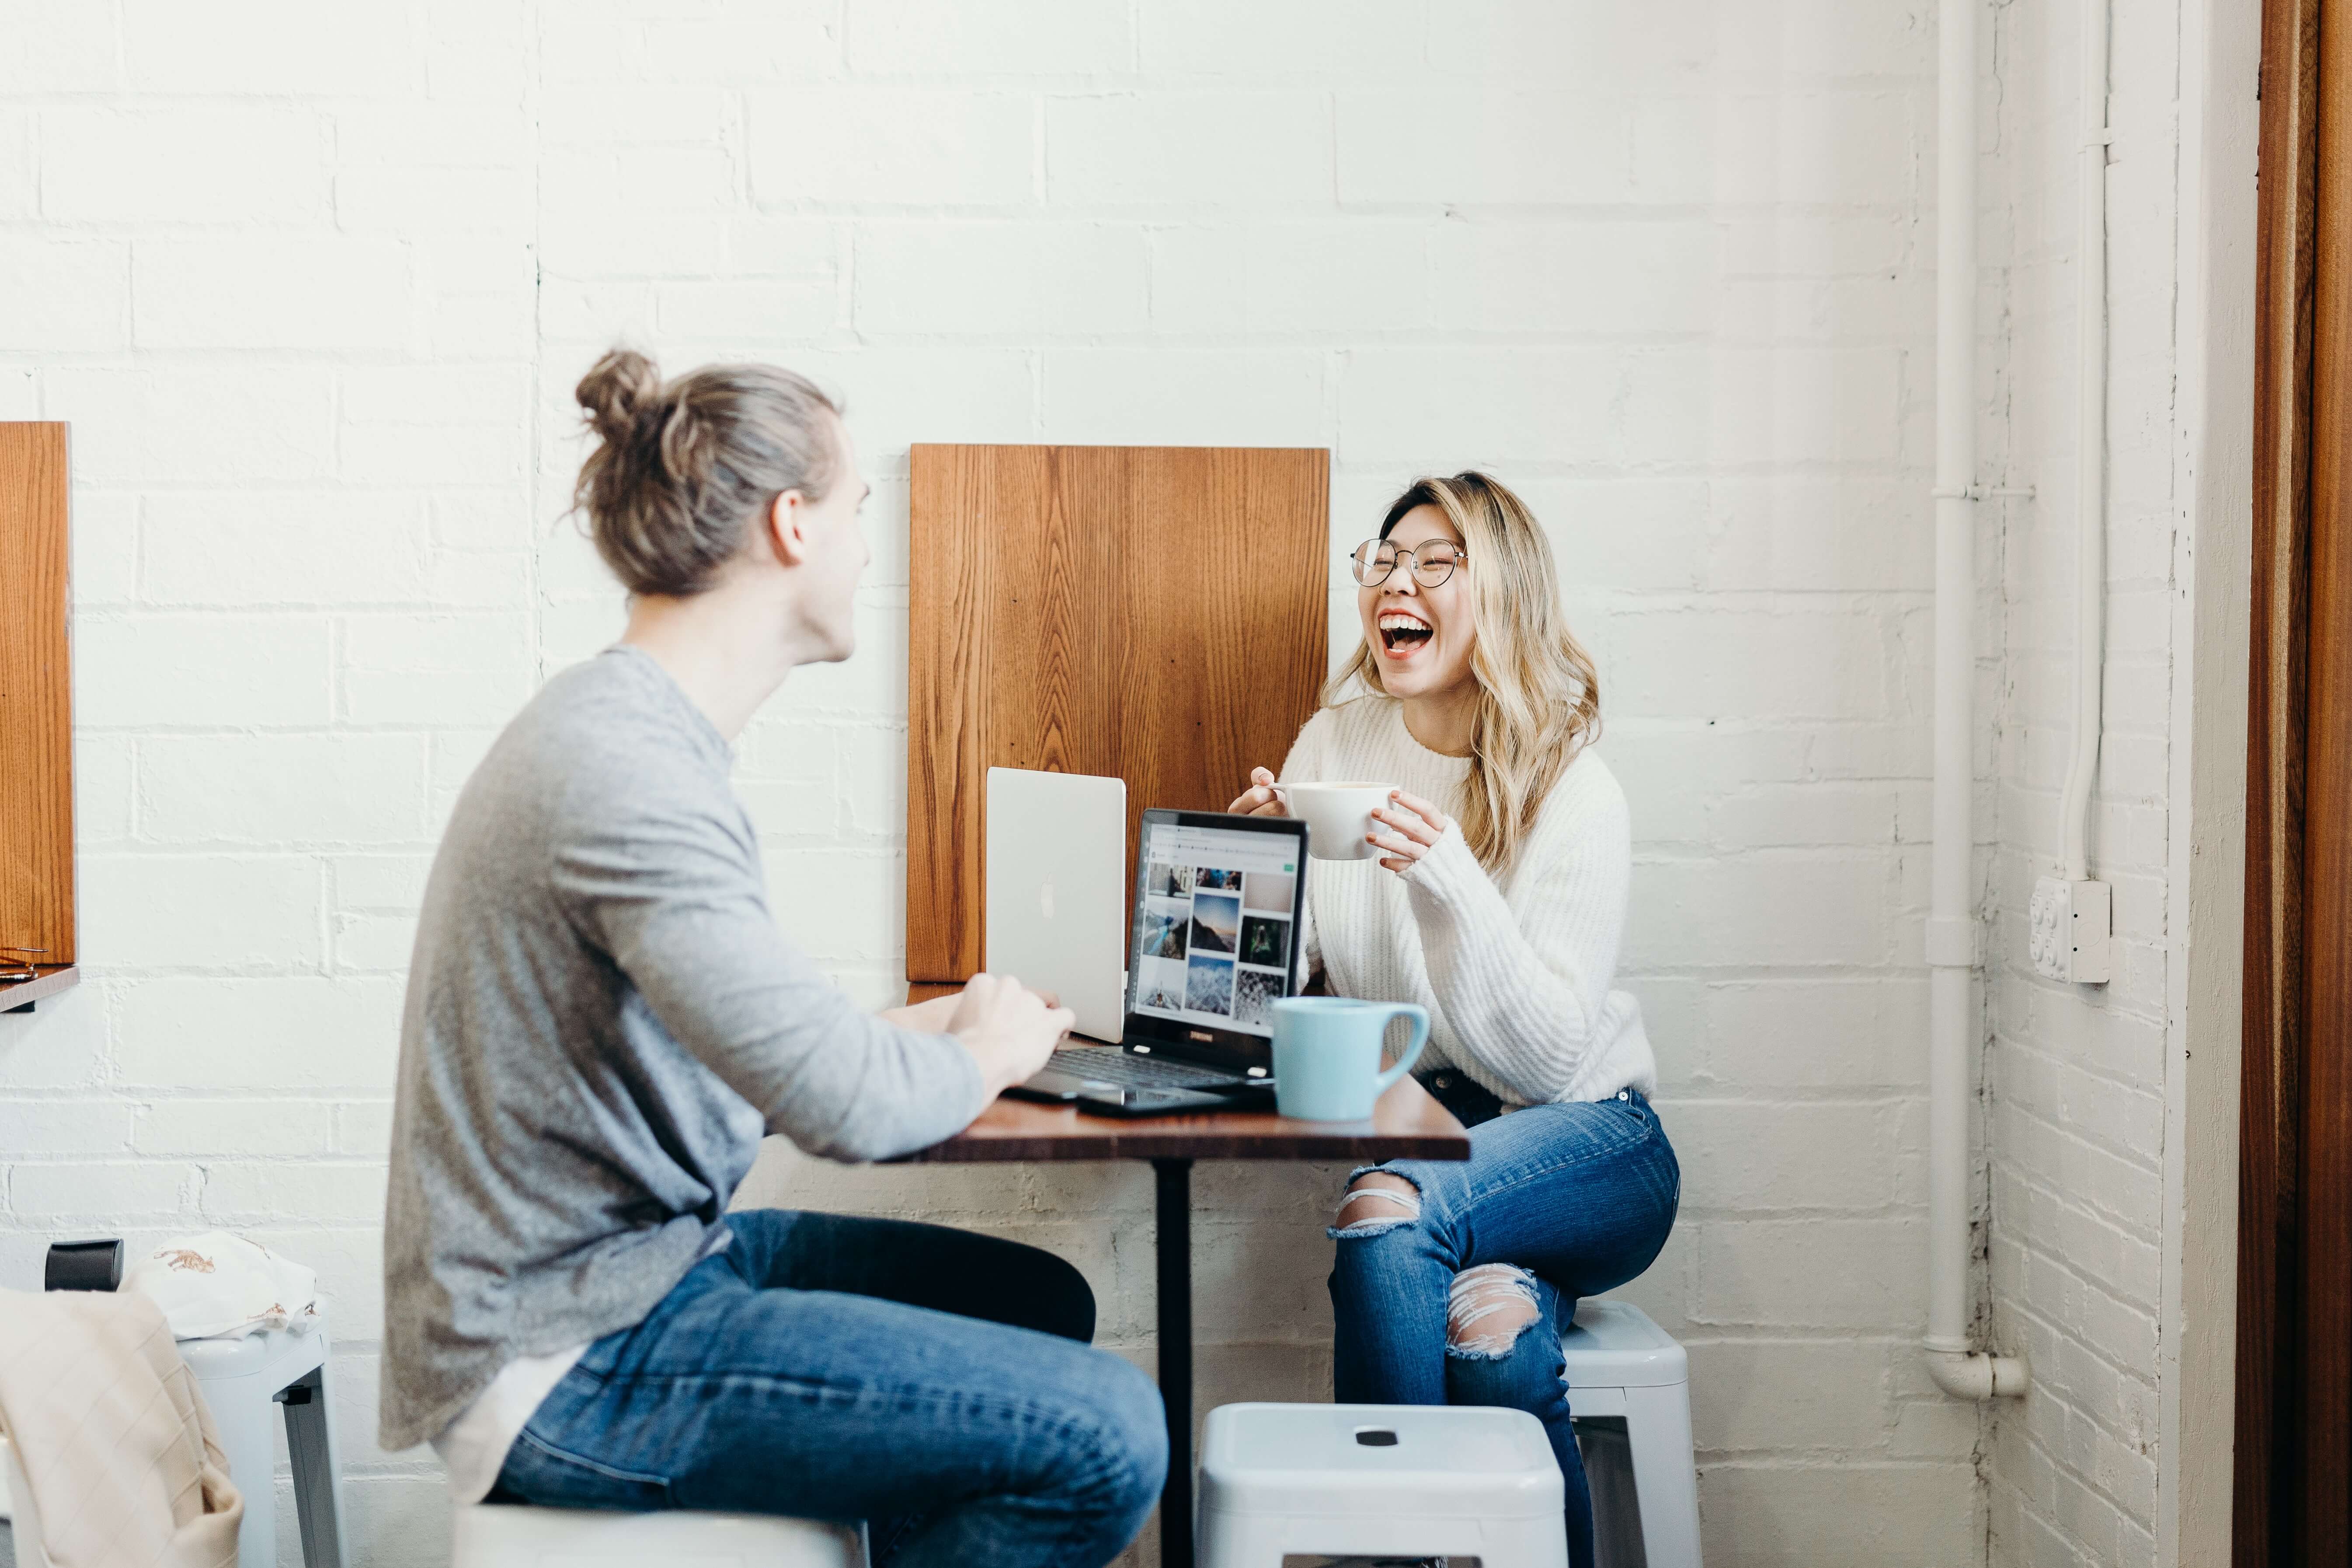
(1214, 939)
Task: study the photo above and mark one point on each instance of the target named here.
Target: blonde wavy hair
(1539, 694)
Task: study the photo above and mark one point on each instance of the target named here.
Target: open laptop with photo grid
(1212, 944)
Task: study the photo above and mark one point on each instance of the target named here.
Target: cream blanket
(124, 1464)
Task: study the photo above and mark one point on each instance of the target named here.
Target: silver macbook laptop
(1211, 943)
(1056, 897)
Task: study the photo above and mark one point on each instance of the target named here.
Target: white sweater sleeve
(1524, 980)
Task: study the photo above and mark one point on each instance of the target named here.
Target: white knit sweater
(1516, 977)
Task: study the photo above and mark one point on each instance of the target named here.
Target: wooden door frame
(2268, 1459)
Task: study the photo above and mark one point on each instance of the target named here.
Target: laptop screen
(1214, 936)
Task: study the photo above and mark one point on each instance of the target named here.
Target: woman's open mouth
(1401, 632)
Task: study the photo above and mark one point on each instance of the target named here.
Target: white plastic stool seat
(244, 1381)
(508, 1535)
(1621, 1364)
(1615, 1346)
(1392, 1481)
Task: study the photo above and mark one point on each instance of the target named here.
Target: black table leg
(1175, 1290)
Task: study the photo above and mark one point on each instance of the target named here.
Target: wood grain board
(2270, 1132)
(2293, 1458)
(2322, 1526)
(37, 863)
(2319, 1532)
(1153, 614)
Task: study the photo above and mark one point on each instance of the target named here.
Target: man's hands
(1008, 1028)
(937, 1017)
(932, 1017)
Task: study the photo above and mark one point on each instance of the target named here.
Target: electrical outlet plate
(2068, 931)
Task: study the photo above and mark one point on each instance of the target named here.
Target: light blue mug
(1327, 1055)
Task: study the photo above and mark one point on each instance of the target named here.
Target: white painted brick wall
(314, 288)
(2075, 1075)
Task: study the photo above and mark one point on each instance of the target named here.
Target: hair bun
(681, 470)
(617, 392)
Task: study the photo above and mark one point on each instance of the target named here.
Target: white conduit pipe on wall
(2091, 448)
(1958, 1369)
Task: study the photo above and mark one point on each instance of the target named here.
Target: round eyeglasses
(1430, 565)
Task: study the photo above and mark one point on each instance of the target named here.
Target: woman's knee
(1488, 1309)
(1499, 1347)
(1375, 1203)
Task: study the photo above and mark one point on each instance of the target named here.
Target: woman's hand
(1414, 827)
(1260, 799)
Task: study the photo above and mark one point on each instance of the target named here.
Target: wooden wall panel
(2321, 1518)
(37, 877)
(2295, 1187)
(2268, 1435)
(1154, 614)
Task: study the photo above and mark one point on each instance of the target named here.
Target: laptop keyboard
(1128, 1070)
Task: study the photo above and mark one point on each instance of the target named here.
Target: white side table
(243, 1381)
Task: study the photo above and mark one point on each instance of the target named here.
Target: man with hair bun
(602, 1023)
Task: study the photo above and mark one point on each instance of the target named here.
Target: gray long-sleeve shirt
(602, 1022)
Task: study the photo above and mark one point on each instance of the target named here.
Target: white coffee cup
(1338, 816)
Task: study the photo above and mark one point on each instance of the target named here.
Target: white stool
(242, 1380)
(1392, 1481)
(507, 1535)
(1621, 1364)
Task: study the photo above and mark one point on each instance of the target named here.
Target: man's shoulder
(598, 741)
(618, 715)
(615, 700)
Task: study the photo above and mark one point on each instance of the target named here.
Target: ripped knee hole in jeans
(1376, 1202)
(1486, 1308)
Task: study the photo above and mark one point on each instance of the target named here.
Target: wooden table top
(1406, 1124)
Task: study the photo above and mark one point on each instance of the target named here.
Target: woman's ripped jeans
(1452, 1279)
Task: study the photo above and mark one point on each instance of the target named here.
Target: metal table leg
(1175, 1290)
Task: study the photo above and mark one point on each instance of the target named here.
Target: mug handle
(1420, 1016)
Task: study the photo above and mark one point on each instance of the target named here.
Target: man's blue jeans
(933, 1383)
(1578, 1198)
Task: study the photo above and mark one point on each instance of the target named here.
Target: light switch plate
(2069, 934)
